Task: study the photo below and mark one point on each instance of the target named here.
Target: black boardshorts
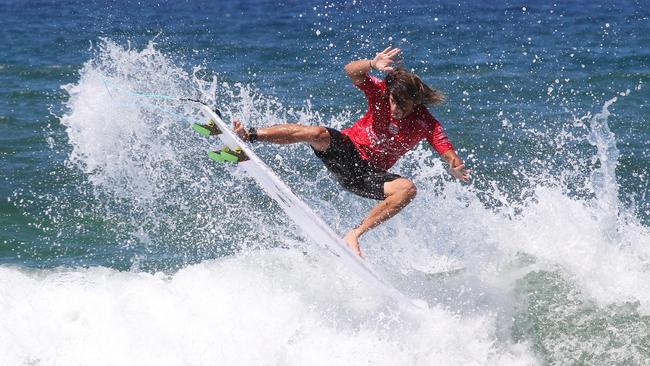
(350, 170)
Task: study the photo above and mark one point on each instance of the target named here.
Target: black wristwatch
(252, 134)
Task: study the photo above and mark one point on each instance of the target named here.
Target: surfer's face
(400, 108)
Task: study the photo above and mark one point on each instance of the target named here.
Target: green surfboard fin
(227, 155)
(208, 129)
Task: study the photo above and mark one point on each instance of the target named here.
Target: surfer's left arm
(438, 139)
(456, 165)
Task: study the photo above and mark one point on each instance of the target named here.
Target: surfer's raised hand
(240, 130)
(384, 59)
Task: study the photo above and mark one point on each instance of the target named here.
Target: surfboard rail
(312, 225)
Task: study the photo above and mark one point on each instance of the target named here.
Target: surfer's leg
(316, 136)
(398, 193)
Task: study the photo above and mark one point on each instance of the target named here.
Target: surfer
(359, 157)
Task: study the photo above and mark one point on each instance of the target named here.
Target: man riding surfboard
(359, 157)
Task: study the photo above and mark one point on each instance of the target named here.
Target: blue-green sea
(121, 242)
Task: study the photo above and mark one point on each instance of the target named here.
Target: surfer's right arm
(357, 70)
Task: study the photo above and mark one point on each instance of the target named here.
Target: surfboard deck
(313, 227)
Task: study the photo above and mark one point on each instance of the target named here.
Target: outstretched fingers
(393, 52)
(385, 58)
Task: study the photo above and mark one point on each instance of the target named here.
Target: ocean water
(122, 243)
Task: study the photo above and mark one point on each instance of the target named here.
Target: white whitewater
(302, 215)
(265, 302)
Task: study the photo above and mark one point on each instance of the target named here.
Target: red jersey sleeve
(436, 135)
(372, 87)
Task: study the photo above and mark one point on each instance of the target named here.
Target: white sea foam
(273, 307)
(278, 306)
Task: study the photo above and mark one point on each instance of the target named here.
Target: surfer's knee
(404, 188)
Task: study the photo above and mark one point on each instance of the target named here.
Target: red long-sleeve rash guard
(382, 140)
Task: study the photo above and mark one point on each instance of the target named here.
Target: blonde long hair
(404, 85)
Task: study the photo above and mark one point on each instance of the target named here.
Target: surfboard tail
(312, 226)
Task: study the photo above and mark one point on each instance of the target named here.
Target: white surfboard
(302, 215)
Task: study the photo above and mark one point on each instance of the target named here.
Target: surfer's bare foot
(352, 240)
(239, 130)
